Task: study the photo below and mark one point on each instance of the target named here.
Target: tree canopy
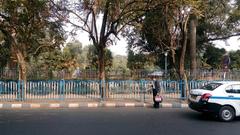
(168, 27)
(31, 27)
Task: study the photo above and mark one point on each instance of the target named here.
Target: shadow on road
(204, 117)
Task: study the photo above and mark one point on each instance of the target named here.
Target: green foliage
(74, 51)
(213, 56)
(104, 21)
(50, 60)
(136, 61)
(119, 62)
(235, 59)
(47, 63)
(69, 58)
(220, 21)
(33, 25)
(161, 30)
(4, 51)
(93, 58)
(155, 30)
(74, 48)
(78, 57)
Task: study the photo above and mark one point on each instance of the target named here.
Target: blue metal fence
(81, 89)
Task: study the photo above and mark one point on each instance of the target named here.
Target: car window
(211, 86)
(235, 89)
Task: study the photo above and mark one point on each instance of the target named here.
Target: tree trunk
(182, 75)
(192, 36)
(182, 56)
(101, 67)
(22, 69)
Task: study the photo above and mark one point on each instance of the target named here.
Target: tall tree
(165, 29)
(220, 22)
(30, 27)
(196, 23)
(104, 20)
(193, 46)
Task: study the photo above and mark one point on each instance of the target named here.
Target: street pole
(166, 54)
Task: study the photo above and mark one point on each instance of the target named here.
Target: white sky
(232, 44)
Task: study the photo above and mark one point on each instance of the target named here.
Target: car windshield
(211, 86)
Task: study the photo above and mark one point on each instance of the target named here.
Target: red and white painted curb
(88, 105)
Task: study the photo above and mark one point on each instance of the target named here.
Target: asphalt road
(113, 121)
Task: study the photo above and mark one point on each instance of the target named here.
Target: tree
(235, 59)
(119, 62)
(74, 50)
(165, 29)
(193, 46)
(214, 56)
(93, 58)
(42, 67)
(220, 21)
(113, 17)
(177, 25)
(136, 61)
(84, 57)
(4, 50)
(30, 27)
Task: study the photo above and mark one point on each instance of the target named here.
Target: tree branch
(94, 26)
(104, 23)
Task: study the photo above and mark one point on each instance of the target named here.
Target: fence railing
(79, 89)
(89, 74)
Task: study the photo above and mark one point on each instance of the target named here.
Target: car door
(233, 95)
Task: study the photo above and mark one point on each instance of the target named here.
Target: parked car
(219, 98)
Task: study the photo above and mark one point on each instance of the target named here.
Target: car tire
(226, 113)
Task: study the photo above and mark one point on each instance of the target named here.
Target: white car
(220, 98)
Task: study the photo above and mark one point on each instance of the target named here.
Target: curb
(85, 105)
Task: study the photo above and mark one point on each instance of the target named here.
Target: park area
(64, 49)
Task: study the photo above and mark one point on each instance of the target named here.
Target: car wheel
(226, 113)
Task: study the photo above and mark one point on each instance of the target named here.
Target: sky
(232, 44)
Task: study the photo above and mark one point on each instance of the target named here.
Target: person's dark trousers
(156, 104)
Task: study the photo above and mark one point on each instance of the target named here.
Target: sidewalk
(87, 103)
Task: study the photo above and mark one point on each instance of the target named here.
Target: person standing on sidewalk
(155, 90)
